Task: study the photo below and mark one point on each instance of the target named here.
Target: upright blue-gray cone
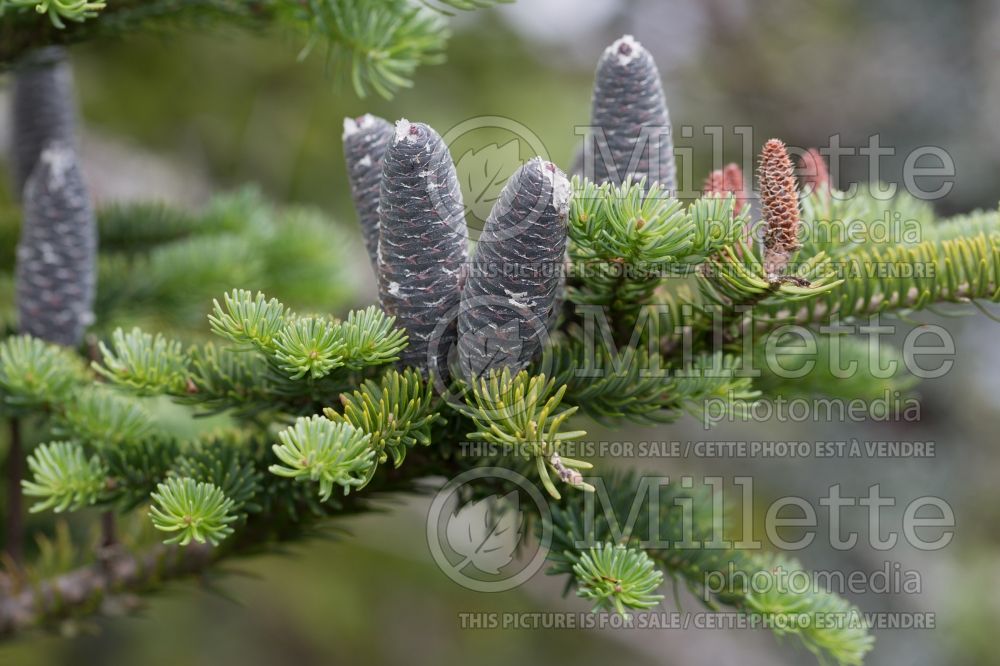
(43, 109)
(517, 275)
(56, 254)
(630, 133)
(365, 142)
(423, 244)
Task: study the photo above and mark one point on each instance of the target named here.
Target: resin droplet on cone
(423, 243)
(56, 255)
(517, 273)
(365, 142)
(629, 119)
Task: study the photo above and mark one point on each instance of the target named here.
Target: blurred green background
(178, 117)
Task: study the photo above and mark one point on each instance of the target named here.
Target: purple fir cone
(423, 243)
(43, 109)
(629, 119)
(365, 142)
(517, 275)
(56, 255)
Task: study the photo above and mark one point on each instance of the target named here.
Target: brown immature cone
(815, 174)
(780, 206)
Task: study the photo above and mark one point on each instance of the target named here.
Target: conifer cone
(779, 201)
(815, 174)
(727, 180)
(43, 109)
(516, 277)
(56, 255)
(628, 97)
(365, 142)
(423, 243)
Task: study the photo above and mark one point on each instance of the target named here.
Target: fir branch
(35, 375)
(144, 363)
(617, 577)
(522, 412)
(57, 11)
(102, 418)
(319, 450)
(195, 510)
(63, 477)
(396, 411)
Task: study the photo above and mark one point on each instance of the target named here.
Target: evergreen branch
(57, 11)
(902, 278)
(632, 385)
(624, 240)
(103, 418)
(229, 464)
(377, 45)
(119, 572)
(617, 577)
(396, 411)
(144, 363)
(637, 386)
(522, 413)
(317, 449)
(371, 338)
(681, 536)
(833, 365)
(248, 320)
(36, 375)
(136, 467)
(195, 510)
(309, 346)
(63, 477)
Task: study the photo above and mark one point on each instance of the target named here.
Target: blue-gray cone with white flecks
(517, 273)
(629, 119)
(423, 243)
(365, 142)
(43, 110)
(56, 254)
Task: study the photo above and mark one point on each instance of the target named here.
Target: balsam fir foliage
(318, 405)
(375, 45)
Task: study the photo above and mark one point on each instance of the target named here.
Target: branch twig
(14, 528)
